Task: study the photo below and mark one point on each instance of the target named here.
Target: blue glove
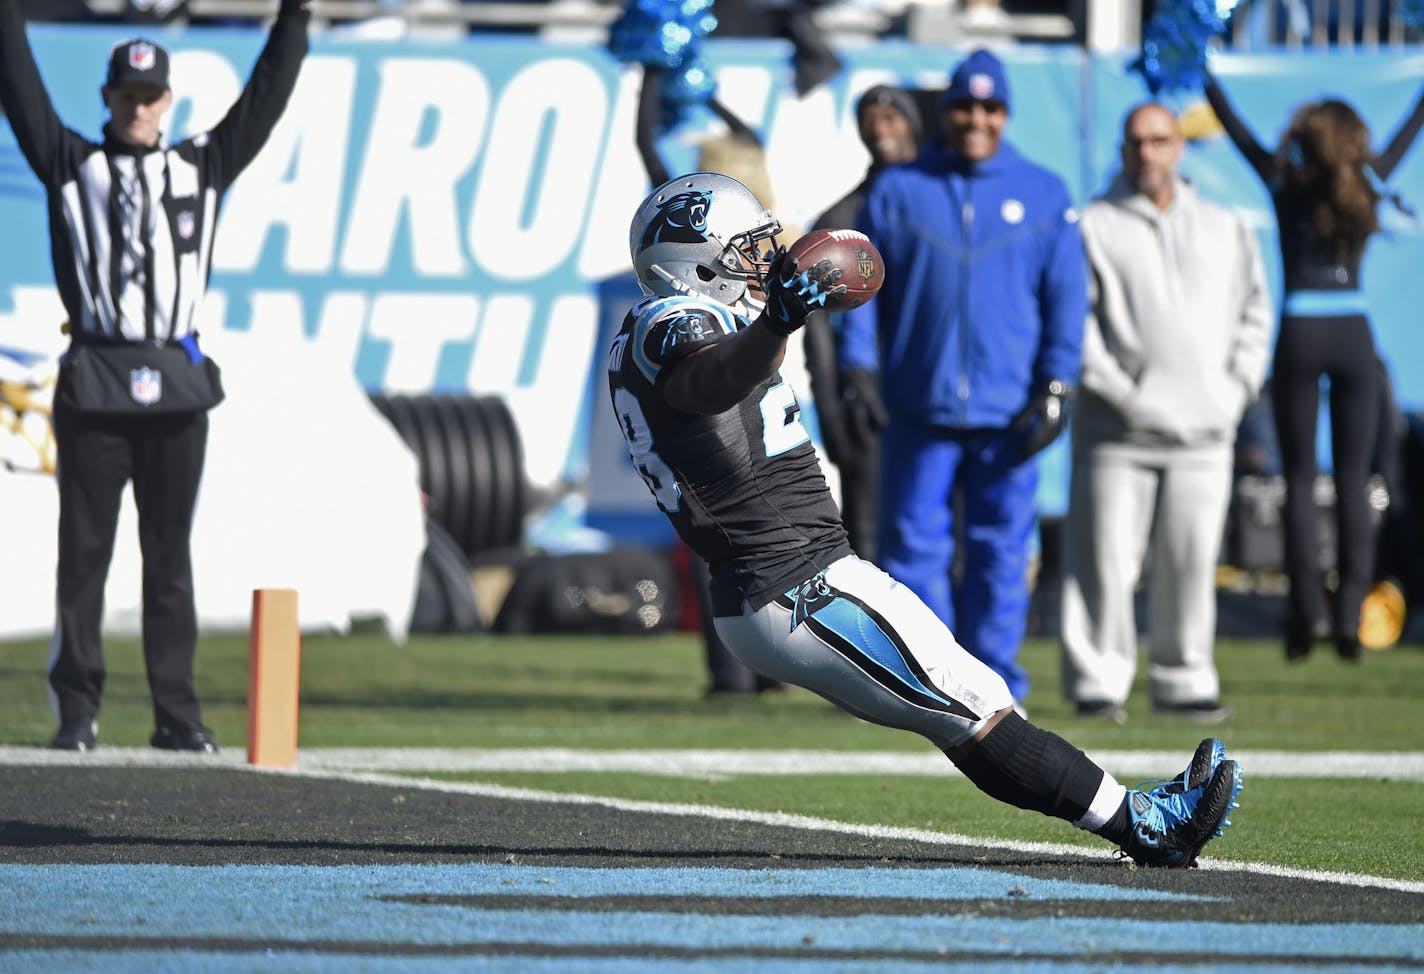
(792, 294)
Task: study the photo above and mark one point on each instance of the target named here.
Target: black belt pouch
(137, 378)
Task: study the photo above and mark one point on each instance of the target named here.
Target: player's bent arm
(720, 376)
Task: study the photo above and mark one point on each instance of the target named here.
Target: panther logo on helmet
(703, 234)
(680, 219)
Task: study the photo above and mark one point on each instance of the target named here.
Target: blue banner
(445, 217)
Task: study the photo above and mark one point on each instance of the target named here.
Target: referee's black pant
(98, 453)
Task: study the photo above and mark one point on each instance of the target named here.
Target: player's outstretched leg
(867, 643)
(1173, 820)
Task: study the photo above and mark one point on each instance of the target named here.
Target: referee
(132, 221)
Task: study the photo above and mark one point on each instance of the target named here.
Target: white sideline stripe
(1136, 765)
(850, 828)
(325, 763)
(1404, 766)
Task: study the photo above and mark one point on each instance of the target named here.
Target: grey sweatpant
(1133, 509)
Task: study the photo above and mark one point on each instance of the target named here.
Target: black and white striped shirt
(135, 238)
(131, 228)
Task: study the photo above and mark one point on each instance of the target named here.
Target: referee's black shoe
(76, 735)
(184, 737)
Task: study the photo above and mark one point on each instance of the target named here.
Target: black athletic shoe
(1102, 710)
(186, 737)
(1348, 648)
(1299, 642)
(1197, 711)
(76, 735)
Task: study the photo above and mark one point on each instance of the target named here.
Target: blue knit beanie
(980, 77)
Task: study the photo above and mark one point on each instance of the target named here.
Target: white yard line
(365, 766)
(850, 828)
(1134, 765)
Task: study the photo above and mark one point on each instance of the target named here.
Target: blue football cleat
(1172, 821)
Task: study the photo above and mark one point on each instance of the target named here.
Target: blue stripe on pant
(869, 645)
(861, 635)
(921, 468)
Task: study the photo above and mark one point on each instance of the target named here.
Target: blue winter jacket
(985, 289)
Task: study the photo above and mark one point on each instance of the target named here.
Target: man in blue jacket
(977, 338)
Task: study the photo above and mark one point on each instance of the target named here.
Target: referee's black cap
(137, 61)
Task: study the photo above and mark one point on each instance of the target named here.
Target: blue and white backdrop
(452, 217)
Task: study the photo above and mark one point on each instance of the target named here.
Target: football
(851, 251)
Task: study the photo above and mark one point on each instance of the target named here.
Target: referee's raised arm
(235, 141)
(37, 127)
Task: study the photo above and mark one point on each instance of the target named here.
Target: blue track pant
(921, 467)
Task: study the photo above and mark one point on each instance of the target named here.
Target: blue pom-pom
(667, 34)
(1176, 43)
(662, 33)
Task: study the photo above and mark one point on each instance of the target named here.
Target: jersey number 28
(781, 430)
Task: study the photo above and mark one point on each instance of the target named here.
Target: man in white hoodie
(1176, 345)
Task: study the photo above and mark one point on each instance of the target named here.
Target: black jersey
(743, 488)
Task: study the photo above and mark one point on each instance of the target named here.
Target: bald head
(1148, 112)
(1151, 149)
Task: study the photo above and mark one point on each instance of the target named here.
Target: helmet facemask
(756, 260)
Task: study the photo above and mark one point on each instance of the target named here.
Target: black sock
(1031, 768)
(1117, 828)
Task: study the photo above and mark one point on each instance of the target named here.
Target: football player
(716, 434)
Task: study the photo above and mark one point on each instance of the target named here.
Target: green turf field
(509, 692)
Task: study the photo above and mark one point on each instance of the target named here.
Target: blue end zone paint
(193, 962)
(351, 903)
(255, 887)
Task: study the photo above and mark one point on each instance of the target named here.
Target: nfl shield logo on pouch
(146, 386)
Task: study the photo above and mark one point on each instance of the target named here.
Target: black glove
(293, 7)
(861, 409)
(792, 293)
(1044, 417)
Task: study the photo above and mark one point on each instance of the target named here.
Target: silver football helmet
(702, 234)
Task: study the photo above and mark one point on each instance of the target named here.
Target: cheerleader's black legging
(1342, 348)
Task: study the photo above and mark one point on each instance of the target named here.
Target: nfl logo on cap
(137, 61)
(141, 56)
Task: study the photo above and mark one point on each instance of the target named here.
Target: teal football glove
(792, 293)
